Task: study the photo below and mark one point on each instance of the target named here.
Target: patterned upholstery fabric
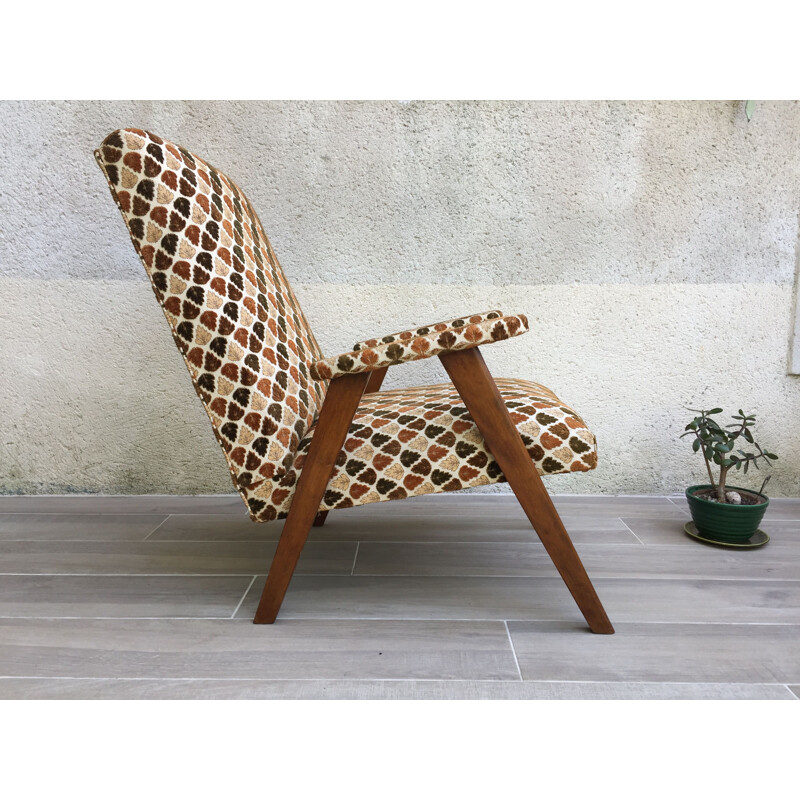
(403, 336)
(259, 371)
(407, 442)
(233, 315)
(431, 340)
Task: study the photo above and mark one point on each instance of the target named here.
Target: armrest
(438, 327)
(426, 342)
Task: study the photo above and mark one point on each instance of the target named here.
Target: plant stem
(723, 471)
(710, 475)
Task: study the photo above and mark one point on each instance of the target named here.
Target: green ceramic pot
(723, 522)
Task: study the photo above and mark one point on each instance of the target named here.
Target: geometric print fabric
(233, 315)
(259, 371)
(407, 442)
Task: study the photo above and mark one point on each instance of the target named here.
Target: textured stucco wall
(653, 246)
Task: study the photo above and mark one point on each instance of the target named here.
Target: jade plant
(717, 444)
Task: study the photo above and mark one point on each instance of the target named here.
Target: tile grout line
(221, 514)
(254, 542)
(422, 576)
(513, 651)
(246, 592)
(529, 621)
(630, 529)
(439, 575)
(682, 508)
(392, 680)
(156, 527)
(355, 556)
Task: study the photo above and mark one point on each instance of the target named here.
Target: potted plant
(723, 513)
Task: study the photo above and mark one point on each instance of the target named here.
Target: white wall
(652, 245)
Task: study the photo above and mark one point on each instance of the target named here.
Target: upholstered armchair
(304, 434)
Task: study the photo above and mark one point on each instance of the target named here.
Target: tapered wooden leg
(474, 383)
(373, 385)
(341, 402)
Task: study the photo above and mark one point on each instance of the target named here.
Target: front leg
(338, 409)
(373, 385)
(477, 388)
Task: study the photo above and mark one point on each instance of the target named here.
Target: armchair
(303, 434)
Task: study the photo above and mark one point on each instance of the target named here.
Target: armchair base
(480, 395)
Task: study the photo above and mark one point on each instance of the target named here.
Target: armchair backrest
(234, 317)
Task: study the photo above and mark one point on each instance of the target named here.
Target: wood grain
(338, 409)
(487, 408)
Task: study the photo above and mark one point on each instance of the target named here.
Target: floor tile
(501, 504)
(120, 596)
(215, 528)
(795, 690)
(340, 526)
(619, 506)
(541, 598)
(229, 504)
(511, 559)
(109, 689)
(156, 557)
(91, 581)
(646, 652)
(78, 527)
(233, 650)
(670, 531)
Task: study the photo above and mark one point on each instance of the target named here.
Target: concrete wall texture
(653, 246)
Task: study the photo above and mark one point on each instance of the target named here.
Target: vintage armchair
(304, 434)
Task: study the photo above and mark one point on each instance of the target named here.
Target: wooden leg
(373, 385)
(341, 401)
(474, 383)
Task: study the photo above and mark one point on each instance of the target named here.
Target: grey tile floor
(450, 596)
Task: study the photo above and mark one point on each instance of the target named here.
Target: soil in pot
(748, 498)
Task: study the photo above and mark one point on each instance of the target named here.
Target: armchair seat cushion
(420, 440)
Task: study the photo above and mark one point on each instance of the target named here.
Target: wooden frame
(373, 385)
(477, 389)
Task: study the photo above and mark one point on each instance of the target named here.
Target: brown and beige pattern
(233, 315)
(456, 322)
(433, 340)
(407, 442)
(259, 371)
